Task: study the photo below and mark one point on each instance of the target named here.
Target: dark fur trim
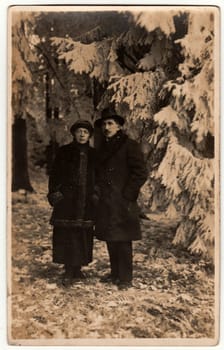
(71, 223)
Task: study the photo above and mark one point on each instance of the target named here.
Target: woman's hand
(54, 198)
(95, 199)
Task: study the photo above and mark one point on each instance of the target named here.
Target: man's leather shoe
(124, 285)
(109, 279)
(67, 282)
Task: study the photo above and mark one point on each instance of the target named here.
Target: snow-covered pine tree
(187, 168)
(22, 55)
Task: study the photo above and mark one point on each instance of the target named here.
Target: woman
(71, 186)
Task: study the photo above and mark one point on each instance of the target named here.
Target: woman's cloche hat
(82, 123)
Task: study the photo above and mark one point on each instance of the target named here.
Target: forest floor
(172, 294)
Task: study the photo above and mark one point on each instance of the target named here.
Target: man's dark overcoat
(71, 183)
(121, 171)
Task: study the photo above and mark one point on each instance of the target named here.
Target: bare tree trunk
(48, 97)
(51, 151)
(20, 175)
(97, 92)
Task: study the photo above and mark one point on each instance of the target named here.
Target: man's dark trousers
(120, 254)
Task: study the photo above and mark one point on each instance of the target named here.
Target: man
(121, 171)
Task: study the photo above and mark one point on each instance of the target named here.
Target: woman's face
(82, 135)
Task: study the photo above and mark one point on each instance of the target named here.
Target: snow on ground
(172, 296)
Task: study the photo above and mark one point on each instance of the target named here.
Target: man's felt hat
(109, 113)
(81, 123)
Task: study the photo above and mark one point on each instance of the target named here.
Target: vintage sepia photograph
(113, 175)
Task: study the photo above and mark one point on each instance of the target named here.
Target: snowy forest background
(156, 68)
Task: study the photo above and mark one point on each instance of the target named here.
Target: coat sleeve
(54, 183)
(137, 171)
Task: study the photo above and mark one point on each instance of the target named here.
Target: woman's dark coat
(71, 186)
(121, 171)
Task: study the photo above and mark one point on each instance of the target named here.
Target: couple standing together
(94, 193)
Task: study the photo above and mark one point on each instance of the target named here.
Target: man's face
(110, 127)
(82, 135)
